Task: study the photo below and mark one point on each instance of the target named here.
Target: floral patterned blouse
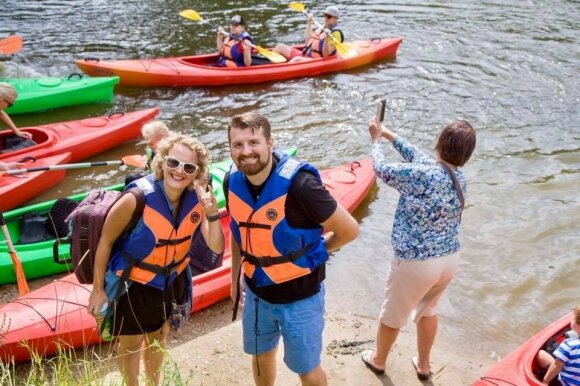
(428, 215)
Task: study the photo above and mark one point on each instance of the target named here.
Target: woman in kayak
(144, 277)
(424, 237)
(317, 44)
(7, 97)
(233, 52)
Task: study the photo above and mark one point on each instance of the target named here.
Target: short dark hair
(252, 121)
(456, 143)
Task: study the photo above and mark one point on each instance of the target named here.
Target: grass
(81, 367)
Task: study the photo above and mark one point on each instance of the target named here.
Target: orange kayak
(201, 70)
(83, 138)
(16, 190)
(56, 314)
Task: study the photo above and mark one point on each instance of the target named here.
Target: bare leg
(315, 377)
(426, 331)
(267, 364)
(153, 356)
(386, 336)
(129, 354)
(544, 359)
(283, 49)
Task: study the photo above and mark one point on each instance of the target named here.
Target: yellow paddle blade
(273, 57)
(296, 6)
(341, 48)
(191, 15)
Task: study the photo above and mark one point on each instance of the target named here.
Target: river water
(509, 67)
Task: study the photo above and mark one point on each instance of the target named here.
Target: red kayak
(201, 70)
(518, 367)
(82, 139)
(56, 313)
(16, 190)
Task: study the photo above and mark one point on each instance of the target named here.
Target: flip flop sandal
(420, 376)
(367, 358)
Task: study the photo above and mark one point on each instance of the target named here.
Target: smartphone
(381, 111)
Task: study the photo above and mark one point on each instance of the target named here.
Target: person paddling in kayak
(233, 52)
(566, 360)
(8, 96)
(317, 44)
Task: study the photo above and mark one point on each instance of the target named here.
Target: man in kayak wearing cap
(233, 51)
(316, 44)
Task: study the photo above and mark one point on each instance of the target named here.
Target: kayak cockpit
(11, 144)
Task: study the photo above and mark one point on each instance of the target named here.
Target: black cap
(237, 20)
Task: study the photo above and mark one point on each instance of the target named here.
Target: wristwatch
(213, 217)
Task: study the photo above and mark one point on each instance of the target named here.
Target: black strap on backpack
(455, 185)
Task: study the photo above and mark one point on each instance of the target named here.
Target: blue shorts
(299, 323)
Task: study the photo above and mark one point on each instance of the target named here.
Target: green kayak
(37, 256)
(38, 94)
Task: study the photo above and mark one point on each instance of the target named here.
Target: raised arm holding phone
(424, 237)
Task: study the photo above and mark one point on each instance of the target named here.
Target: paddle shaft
(219, 27)
(63, 167)
(339, 45)
(18, 270)
(6, 234)
(328, 32)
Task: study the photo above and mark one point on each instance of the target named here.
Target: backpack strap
(455, 184)
(138, 212)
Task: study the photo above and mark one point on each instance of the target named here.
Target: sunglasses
(8, 104)
(188, 168)
(328, 16)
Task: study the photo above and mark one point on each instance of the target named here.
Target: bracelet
(213, 217)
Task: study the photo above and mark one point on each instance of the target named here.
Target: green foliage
(81, 367)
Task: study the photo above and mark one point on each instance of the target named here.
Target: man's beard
(252, 170)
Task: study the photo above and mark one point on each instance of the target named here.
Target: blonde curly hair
(202, 153)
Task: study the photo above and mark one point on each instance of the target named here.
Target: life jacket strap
(267, 261)
(165, 242)
(244, 224)
(156, 269)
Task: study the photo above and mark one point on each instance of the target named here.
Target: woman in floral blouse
(424, 238)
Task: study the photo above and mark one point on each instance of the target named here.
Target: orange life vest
(157, 249)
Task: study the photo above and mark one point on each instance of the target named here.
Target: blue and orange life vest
(273, 252)
(157, 249)
(316, 44)
(232, 54)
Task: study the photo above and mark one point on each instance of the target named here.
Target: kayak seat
(259, 60)
(14, 142)
(33, 229)
(57, 216)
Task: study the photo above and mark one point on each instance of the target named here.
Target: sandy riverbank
(212, 351)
